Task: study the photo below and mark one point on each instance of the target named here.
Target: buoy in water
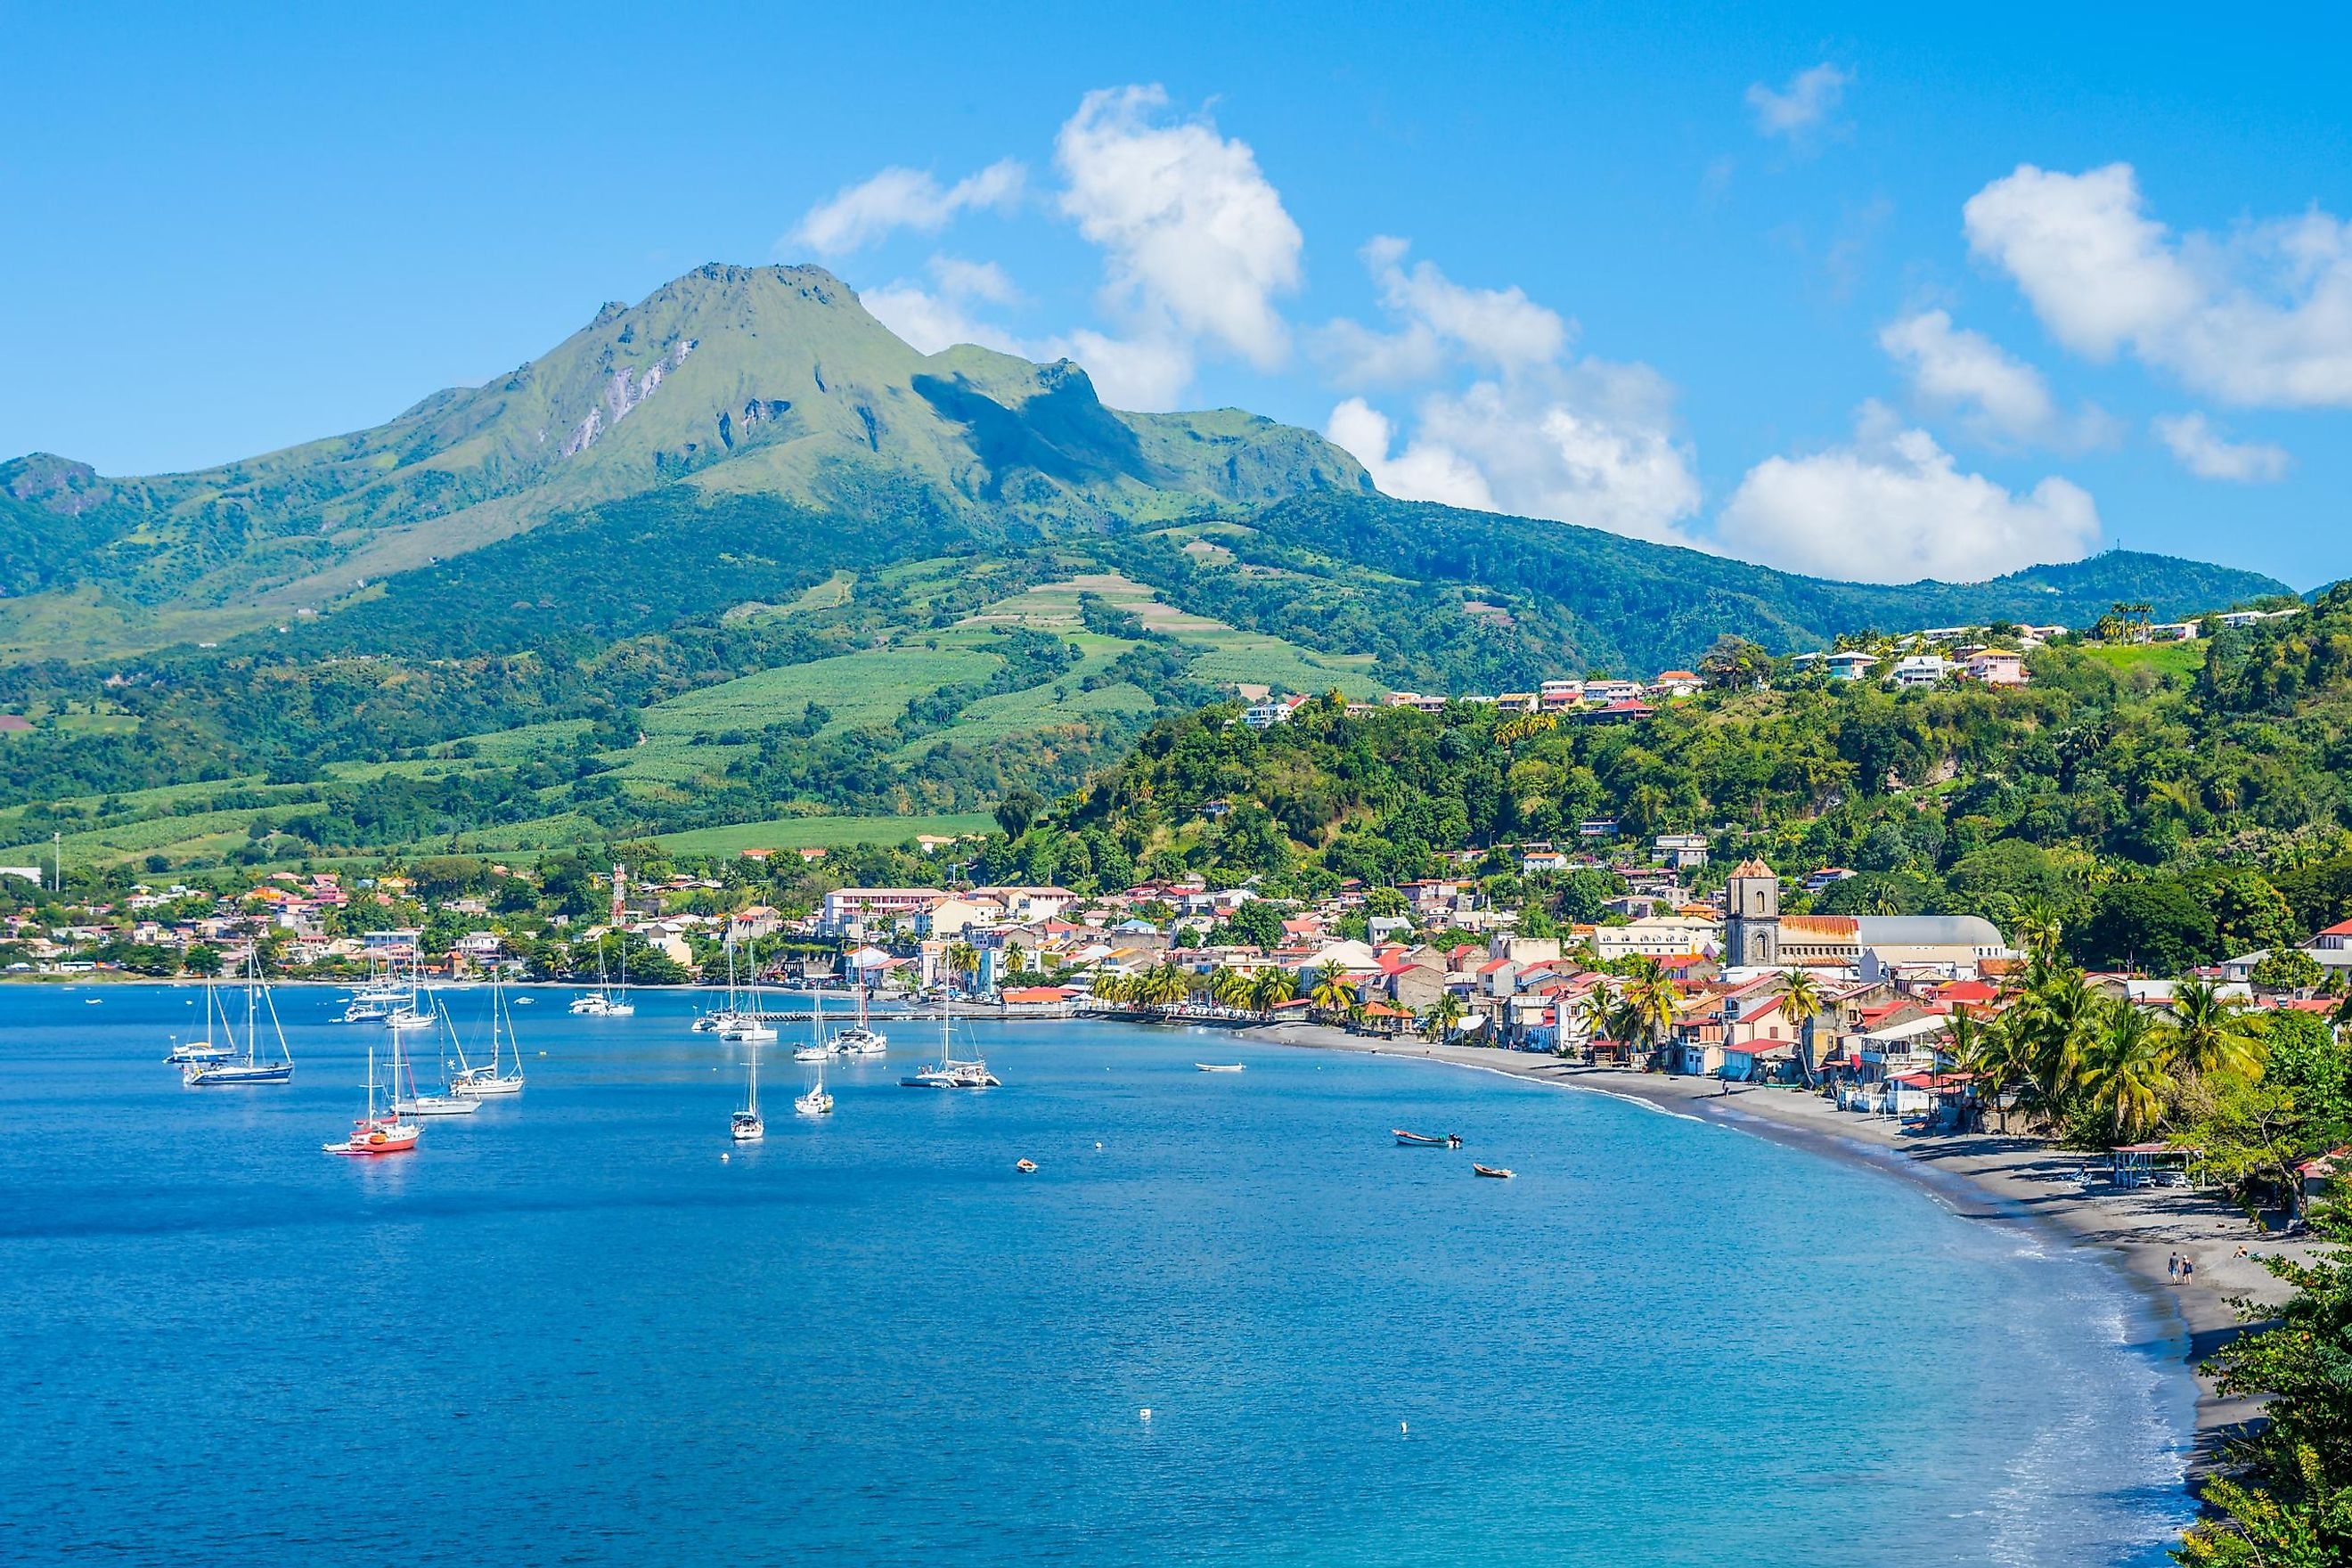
(1402, 1429)
(1145, 1412)
(723, 1159)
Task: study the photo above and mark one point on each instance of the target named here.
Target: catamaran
(373, 1134)
(949, 1072)
(242, 1062)
(818, 1047)
(857, 1040)
(476, 1083)
(746, 1126)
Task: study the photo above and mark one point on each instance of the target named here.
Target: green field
(819, 832)
(2180, 660)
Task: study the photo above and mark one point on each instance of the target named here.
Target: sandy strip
(2005, 1179)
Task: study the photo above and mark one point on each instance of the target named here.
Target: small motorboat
(1217, 1066)
(1500, 1172)
(1424, 1140)
(1027, 1167)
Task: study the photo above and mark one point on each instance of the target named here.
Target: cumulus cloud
(1437, 322)
(1893, 507)
(2262, 316)
(1810, 97)
(858, 216)
(2207, 453)
(2001, 396)
(1196, 242)
(1145, 373)
(941, 315)
(1589, 444)
(1534, 432)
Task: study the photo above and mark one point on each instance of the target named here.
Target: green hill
(902, 583)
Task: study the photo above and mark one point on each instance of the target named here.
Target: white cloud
(1497, 329)
(1894, 507)
(1197, 242)
(940, 316)
(858, 216)
(2207, 453)
(1422, 471)
(2001, 396)
(1590, 444)
(1810, 97)
(2262, 316)
(1143, 373)
(1535, 434)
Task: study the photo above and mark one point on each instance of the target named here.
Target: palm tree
(1270, 987)
(1164, 986)
(1985, 1049)
(1443, 1014)
(1597, 1015)
(962, 958)
(1229, 987)
(1113, 988)
(2212, 1035)
(1015, 960)
(1800, 1004)
(2054, 1024)
(2038, 935)
(1328, 988)
(2129, 1068)
(1653, 1002)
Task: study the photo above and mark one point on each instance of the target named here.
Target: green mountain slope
(771, 381)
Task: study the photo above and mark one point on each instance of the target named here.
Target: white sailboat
(746, 1126)
(491, 1079)
(818, 1047)
(746, 1027)
(414, 1010)
(243, 1062)
(949, 1072)
(713, 1023)
(605, 1002)
(858, 1040)
(403, 1078)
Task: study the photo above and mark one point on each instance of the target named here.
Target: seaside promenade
(2009, 1178)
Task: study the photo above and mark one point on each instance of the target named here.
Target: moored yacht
(745, 1126)
(858, 1040)
(374, 1135)
(241, 1061)
(949, 1072)
(475, 1082)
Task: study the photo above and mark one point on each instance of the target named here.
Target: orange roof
(1037, 993)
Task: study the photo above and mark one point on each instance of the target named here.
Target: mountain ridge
(775, 381)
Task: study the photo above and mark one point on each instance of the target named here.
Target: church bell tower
(1751, 929)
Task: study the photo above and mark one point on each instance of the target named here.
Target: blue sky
(1835, 288)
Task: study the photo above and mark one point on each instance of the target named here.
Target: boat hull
(235, 1077)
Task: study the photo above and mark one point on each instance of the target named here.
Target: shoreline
(2005, 1179)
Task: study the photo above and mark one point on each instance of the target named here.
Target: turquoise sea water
(565, 1332)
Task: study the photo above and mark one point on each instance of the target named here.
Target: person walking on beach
(2172, 1267)
(2188, 1269)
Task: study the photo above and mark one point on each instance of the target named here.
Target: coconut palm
(1653, 1002)
(1015, 960)
(1113, 988)
(2211, 1034)
(1270, 987)
(2038, 935)
(962, 958)
(1229, 987)
(1800, 1004)
(1596, 1015)
(1164, 986)
(2128, 1068)
(1443, 1016)
(1985, 1049)
(1329, 989)
(2054, 1022)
